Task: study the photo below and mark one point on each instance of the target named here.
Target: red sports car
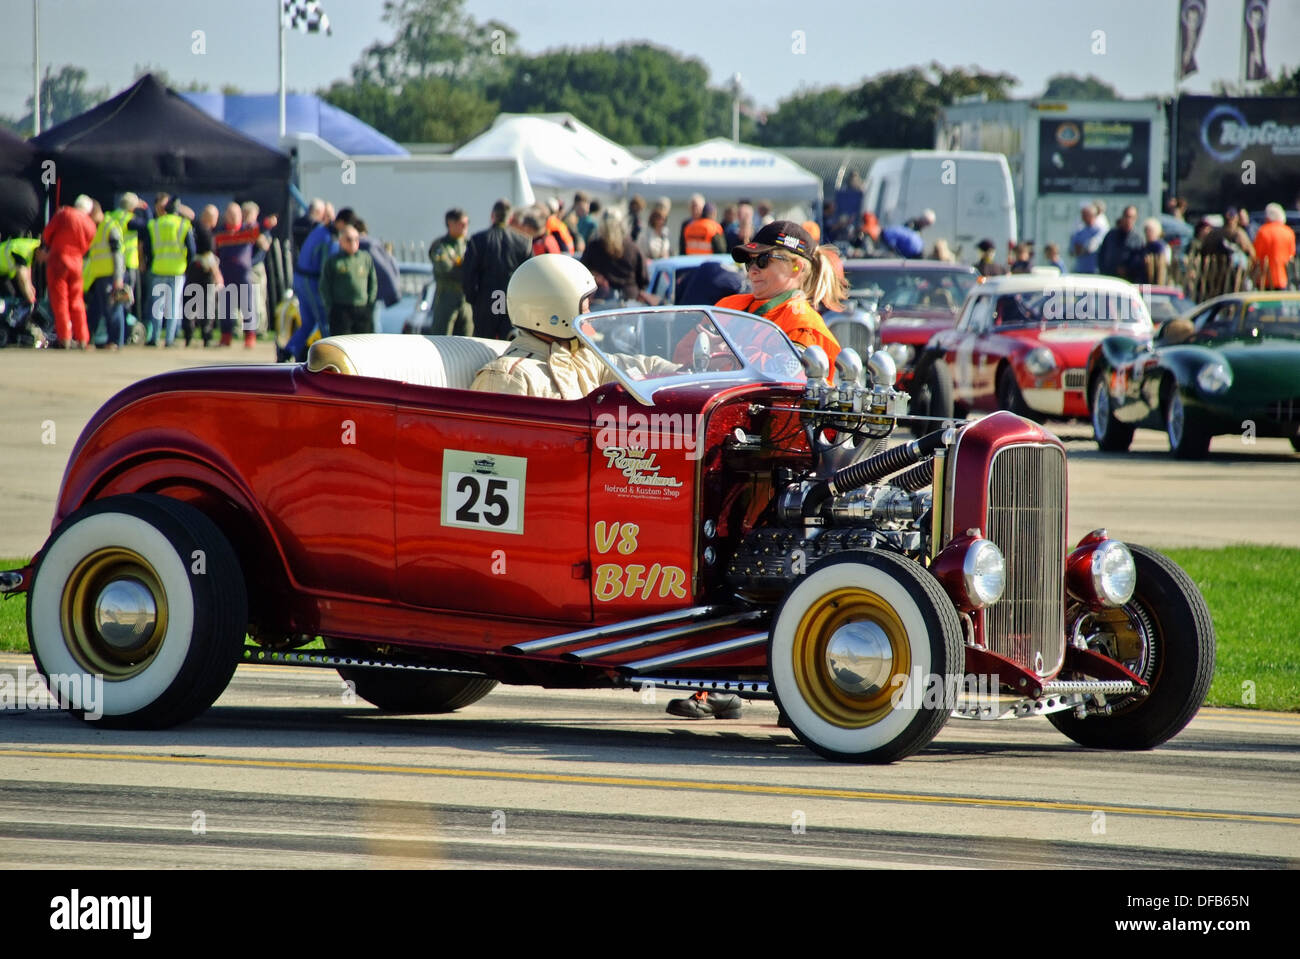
(898, 305)
(732, 523)
(1022, 344)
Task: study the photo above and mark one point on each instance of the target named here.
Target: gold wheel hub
(851, 657)
(114, 613)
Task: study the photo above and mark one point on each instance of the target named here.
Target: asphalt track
(282, 773)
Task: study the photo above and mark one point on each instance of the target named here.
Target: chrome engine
(843, 503)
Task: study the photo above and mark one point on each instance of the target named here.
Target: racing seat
(445, 361)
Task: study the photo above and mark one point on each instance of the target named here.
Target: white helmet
(546, 294)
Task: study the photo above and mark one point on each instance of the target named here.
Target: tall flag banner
(307, 16)
(1254, 25)
(1191, 19)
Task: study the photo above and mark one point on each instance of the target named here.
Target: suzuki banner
(1237, 151)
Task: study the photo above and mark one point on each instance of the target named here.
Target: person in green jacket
(349, 286)
(452, 314)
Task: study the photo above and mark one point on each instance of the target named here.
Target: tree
(633, 93)
(1068, 86)
(431, 110)
(811, 118)
(64, 95)
(1286, 84)
(900, 108)
(161, 75)
(427, 85)
(434, 38)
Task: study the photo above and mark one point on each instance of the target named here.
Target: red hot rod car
(737, 524)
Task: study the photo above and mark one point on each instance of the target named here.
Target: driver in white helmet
(546, 294)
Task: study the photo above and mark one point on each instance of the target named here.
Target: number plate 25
(483, 491)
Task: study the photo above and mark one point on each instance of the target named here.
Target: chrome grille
(1026, 519)
(856, 336)
(1074, 379)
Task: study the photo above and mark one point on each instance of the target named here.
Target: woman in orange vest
(788, 273)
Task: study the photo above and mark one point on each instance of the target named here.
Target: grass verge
(1250, 591)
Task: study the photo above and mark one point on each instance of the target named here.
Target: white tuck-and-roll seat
(447, 361)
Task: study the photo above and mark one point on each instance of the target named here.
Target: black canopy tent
(20, 203)
(148, 138)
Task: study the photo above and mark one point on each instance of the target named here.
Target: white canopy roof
(557, 151)
(725, 172)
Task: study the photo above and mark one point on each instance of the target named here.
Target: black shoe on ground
(707, 705)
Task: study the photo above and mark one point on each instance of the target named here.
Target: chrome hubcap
(859, 658)
(1175, 419)
(1100, 409)
(125, 614)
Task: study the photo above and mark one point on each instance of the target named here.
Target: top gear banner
(1237, 151)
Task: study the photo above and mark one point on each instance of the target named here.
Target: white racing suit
(563, 370)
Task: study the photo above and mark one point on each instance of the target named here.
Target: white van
(970, 194)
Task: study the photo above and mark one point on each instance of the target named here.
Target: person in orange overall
(1274, 249)
(789, 273)
(67, 238)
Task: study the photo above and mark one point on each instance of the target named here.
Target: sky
(842, 42)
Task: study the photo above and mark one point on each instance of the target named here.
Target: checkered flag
(307, 16)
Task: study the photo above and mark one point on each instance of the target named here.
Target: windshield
(1165, 306)
(900, 289)
(1068, 305)
(1279, 319)
(656, 348)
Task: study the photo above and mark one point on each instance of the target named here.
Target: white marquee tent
(726, 172)
(558, 152)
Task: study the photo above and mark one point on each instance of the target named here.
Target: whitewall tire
(865, 653)
(145, 594)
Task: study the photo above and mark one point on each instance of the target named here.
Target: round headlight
(1214, 378)
(902, 353)
(1114, 574)
(985, 572)
(1040, 361)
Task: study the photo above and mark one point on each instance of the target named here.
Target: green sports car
(1232, 365)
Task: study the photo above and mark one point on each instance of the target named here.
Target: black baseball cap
(779, 234)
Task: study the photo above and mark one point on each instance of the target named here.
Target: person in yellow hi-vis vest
(15, 268)
(170, 245)
(103, 275)
(132, 219)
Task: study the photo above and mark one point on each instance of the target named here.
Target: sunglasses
(764, 259)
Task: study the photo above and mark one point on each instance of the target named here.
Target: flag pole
(36, 67)
(279, 15)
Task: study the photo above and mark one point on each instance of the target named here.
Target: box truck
(970, 193)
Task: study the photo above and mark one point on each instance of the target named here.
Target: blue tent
(258, 116)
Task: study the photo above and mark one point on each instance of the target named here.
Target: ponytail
(825, 282)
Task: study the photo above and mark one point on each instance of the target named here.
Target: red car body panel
(976, 354)
(350, 527)
(972, 458)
